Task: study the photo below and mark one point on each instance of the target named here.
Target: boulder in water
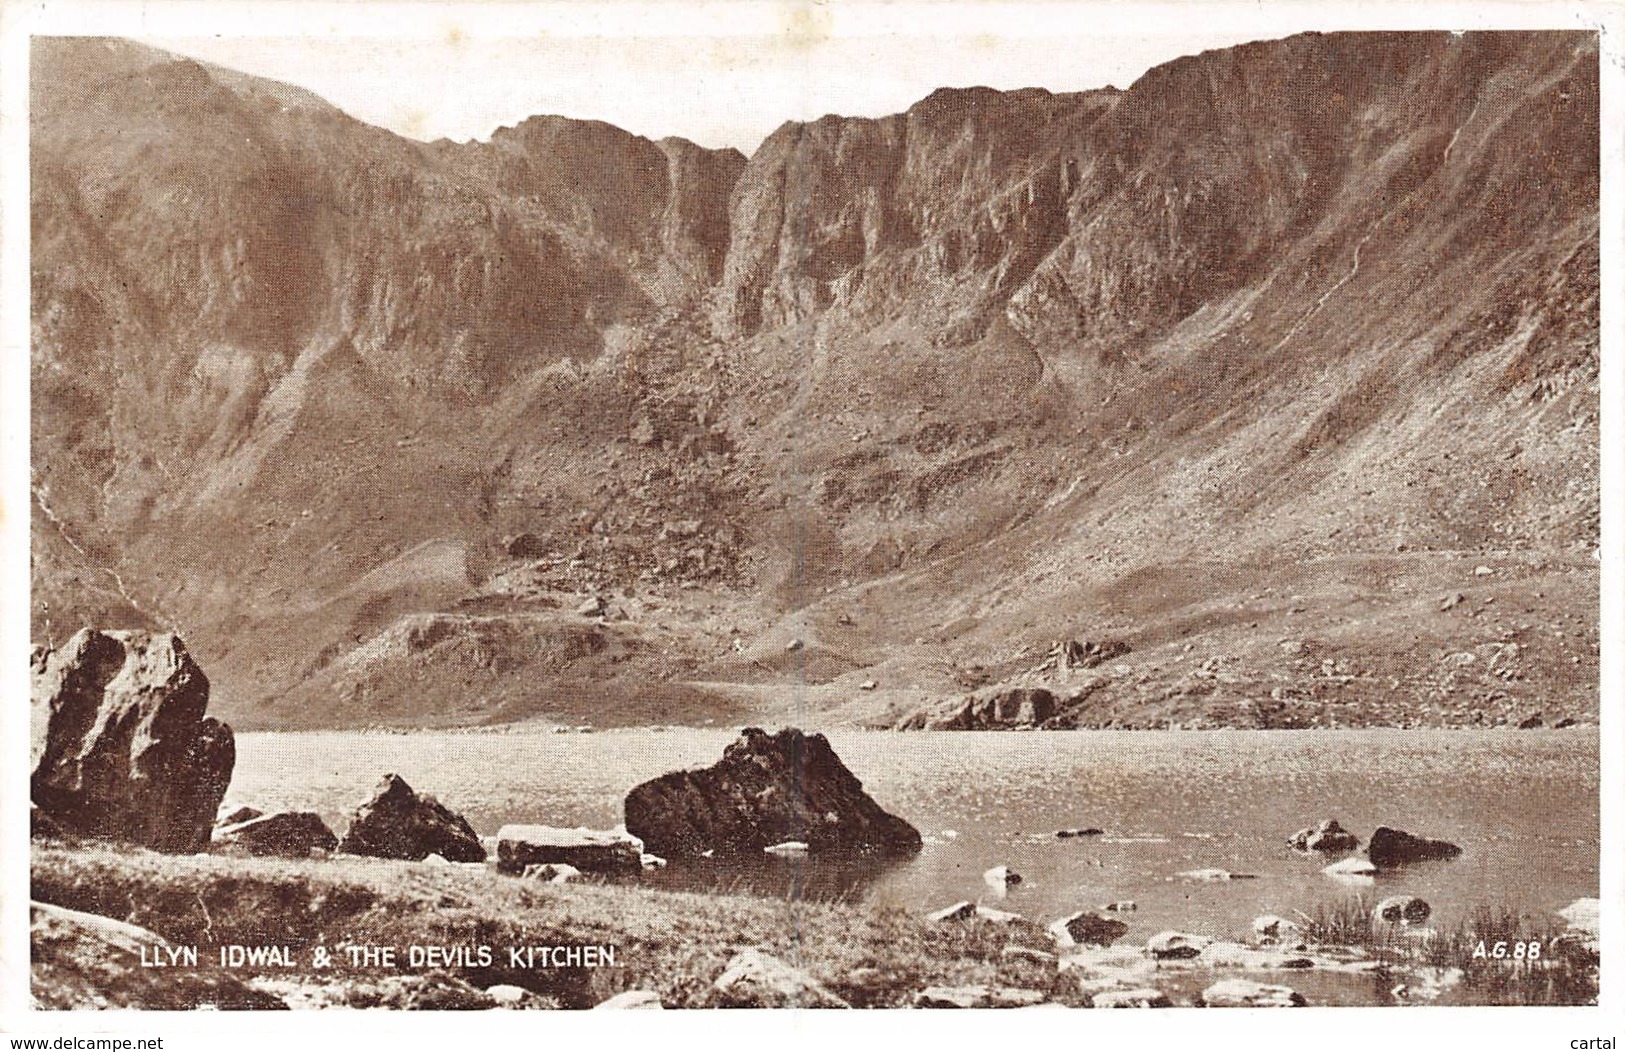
(1328, 837)
(1402, 909)
(767, 789)
(121, 747)
(401, 823)
(1395, 847)
(1087, 928)
(1176, 945)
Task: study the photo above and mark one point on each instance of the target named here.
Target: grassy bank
(672, 943)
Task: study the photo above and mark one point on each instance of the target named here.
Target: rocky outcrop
(766, 789)
(291, 834)
(121, 745)
(87, 961)
(400, 823)
(588, 850)
(1004, 708)
(1395, 847)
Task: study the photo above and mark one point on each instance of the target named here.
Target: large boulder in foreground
(121, 747)
(766, 789)
(83, 960)
(1395, 847)
(401, 823)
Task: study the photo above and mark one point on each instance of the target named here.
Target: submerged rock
(84, 960)
(609, 851)
(1395, 847)
(292, 834)
(1244, 993)
(754, 979)
(767, 789)
(121, 747)
(401, 823)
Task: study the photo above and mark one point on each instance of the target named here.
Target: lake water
(1522, 805)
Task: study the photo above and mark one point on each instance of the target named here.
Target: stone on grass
(552, 872)
(754, 979)
(290, 834)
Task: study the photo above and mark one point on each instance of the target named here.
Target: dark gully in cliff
(934, 560)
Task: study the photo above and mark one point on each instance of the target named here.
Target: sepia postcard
(536, 508)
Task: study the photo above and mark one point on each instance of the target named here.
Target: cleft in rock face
(399, 823)
(767, 789)
(120, 746)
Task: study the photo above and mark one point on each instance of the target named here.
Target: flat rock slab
(603, 851)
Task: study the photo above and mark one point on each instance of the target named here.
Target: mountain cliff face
(1250, 365)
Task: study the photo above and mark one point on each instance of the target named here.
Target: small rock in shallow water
(1327, 837)
(1235, 955)
(1125, 906)
(979, 996)
(632, 999)
(1143, 997)
(1067, 834)
(1244, 993)
(1086, 928)
(1214, 876)
(1273, 929)
(1352, 867)
(1001, 877)
(1174, 945)
(1407, 909)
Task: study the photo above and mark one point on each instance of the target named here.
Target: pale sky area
(729, 89)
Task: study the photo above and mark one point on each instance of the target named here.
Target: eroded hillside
(1279, 366)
